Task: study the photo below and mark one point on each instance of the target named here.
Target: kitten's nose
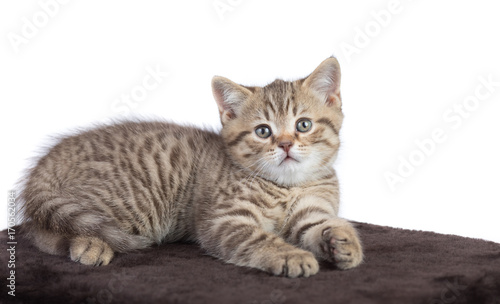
(285, 145)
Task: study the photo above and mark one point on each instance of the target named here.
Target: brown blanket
(401, 266)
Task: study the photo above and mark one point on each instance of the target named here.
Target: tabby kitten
(260, 194)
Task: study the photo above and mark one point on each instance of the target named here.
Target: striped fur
(126, 186)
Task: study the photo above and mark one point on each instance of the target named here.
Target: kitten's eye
(304, 125)
(263, 131)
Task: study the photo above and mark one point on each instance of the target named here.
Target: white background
(414, 64)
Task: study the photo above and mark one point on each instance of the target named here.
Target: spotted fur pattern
(267, 203)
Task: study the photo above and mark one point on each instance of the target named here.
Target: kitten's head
(286, 132)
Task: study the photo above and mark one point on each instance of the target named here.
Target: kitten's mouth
(287, 159)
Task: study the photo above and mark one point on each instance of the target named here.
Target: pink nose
(285, 145)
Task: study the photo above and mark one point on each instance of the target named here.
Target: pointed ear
(324, 82)
(229, 97)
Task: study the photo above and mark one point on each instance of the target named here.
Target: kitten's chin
(290, 173)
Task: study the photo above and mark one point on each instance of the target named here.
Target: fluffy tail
(51, 221)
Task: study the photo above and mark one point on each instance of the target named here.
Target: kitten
(260, 194)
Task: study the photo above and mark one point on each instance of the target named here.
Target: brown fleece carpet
(401, 266)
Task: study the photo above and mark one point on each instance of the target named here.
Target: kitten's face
(286, 132)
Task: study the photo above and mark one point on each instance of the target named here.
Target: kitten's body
(128, 185)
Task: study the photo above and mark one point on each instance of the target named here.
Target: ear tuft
(229, 97)
(324, 82)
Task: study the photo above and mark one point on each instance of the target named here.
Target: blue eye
(304, 125)
(263, 131)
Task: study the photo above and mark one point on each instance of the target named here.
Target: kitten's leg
(336, 241)
(239, 239)
(90, 251)
(314, 226)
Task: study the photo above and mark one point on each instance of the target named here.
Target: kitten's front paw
(294, 263)
(342, 246)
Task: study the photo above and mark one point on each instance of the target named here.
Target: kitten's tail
(52, 222)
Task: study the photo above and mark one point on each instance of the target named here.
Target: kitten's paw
(294, 263)
(342, 246)
(90, 251)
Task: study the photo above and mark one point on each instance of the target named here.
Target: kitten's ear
(229, 97)
(324, 82)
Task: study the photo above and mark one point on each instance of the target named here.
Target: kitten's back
(129, 183)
